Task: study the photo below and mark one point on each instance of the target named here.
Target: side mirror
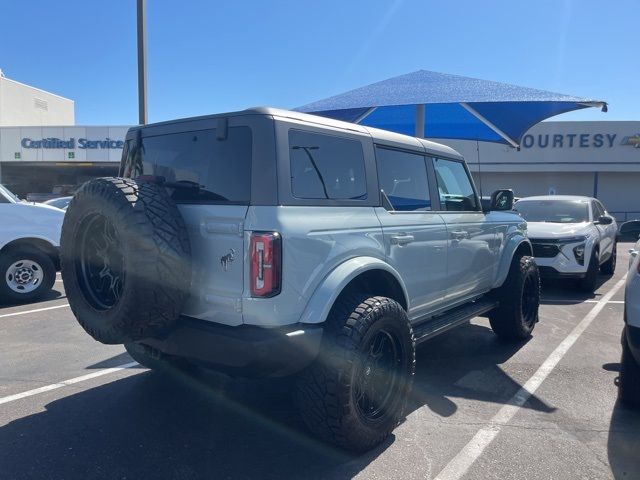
(502, 200)
(604, 220)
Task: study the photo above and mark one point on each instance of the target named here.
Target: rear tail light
(266, 264)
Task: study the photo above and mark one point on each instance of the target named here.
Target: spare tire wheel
(126, 260)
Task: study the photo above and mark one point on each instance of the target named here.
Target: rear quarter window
(217, 171)
(326, 167)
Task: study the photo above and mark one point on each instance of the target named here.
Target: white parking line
(564, 300)
(65, 383)
(461, 463)
(33, 311)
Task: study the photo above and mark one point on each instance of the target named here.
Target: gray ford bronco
(273, 243)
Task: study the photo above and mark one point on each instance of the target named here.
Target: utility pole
(142, 62)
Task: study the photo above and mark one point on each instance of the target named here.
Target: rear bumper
(245, 350)
(551, 272)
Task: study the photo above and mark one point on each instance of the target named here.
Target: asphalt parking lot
(545, 408)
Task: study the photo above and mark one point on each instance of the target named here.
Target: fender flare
(26, 238)
(513, 244)
(323, 298)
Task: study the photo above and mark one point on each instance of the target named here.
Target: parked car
(29, 243)
(573, 237)
(629, 231)
(61, 202)
(629, 381)
(274, 243)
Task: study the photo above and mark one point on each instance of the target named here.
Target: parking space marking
(562, 300)
(33, 311)
(461, 463)
(65, 383)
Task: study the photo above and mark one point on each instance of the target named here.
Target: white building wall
(22, 105)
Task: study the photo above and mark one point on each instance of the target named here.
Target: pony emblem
(227, 259)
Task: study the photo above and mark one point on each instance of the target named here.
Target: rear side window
(454, 187)
(326, 167)
(209, 170)
(403, 177)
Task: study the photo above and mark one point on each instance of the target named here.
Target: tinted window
(554, 211)
(324, 166)
(403, 177)
(601, 210)
(454, 187)
(210, 170)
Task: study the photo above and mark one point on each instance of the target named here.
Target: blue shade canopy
(439, 105)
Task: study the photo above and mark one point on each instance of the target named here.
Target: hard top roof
(378, 135)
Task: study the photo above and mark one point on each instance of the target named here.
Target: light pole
(142, 61)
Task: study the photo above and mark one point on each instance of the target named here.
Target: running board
(429, 328)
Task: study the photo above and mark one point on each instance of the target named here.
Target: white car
(629, 381)
(572, 237)
(29, 244)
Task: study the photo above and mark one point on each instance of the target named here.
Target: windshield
(553, 211)
(8, 194)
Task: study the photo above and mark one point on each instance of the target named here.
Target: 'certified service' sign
(83, 143)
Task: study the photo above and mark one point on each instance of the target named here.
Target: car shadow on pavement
(50, 295)
(160, 425)
(465, 363)
(566, 291)
(172, 425)
(114, 361)
(623, 445)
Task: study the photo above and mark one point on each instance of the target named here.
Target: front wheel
(355, 393)
(590, 281)
(519, 299)
(27, 274)
(609, 267)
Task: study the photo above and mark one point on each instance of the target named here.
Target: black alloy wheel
(377, 376)
(101, 262)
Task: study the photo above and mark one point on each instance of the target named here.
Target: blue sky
(212, 56)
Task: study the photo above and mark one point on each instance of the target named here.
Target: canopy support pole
(420, 120)
(477, 114)
(365, 115)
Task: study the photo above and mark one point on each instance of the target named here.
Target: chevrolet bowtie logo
(633, 140)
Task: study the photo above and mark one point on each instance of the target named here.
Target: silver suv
(273, 243)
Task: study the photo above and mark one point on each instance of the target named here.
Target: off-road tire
(9, 257)
(155, 265)
(629, 381)
(326, 391)
(519, 299)
(609, 267)
(590, 281)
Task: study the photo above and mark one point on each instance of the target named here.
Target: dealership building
(596, 159)
(44, 154)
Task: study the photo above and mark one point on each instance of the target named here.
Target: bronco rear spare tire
(126, 260)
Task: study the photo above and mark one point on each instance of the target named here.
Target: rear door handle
(459, 234)
(402, 239)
